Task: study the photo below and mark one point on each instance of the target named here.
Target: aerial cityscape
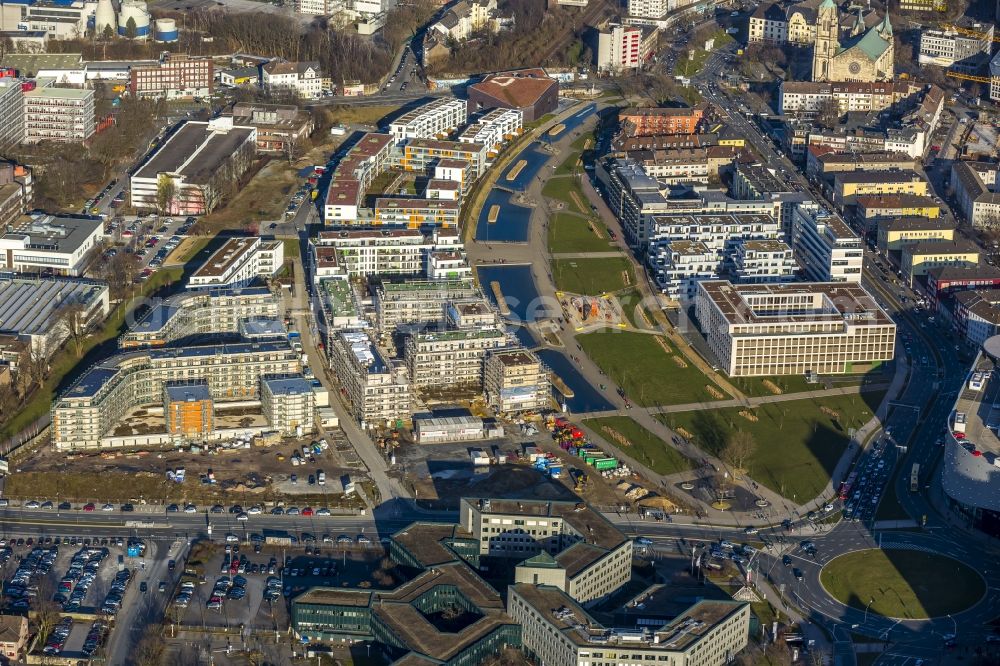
(500, 332)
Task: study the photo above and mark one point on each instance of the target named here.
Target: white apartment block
(826, 248)
(516, 380)
(651, 9)
(807, 98)
(363, 252)
(58, 244)
(238, 263)
(58, 114)
(559, 632)
(947, 48)
(289, 404)
(768, 23)
(450, 358)
(11, 112)
(430, 121)
(687, 248)
(794, 328)
(302, 77)
(378, 391)
(623, 47)
(764, 261)
(415, 302)
(494, 129)
(977, 189)
(556, 542)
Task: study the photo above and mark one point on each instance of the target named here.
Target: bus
(845, 486)
(915, 478)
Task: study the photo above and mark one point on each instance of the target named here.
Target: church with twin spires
(864, 54)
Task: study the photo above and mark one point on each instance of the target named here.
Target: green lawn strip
(66, 359)
(592, 277)
(902, 583)
(628, 301)
(570, 233)
(571, 164)
(798, 444)
(644, 446)
(292, 247)
(755, 386)
(637, 363)
(560, 188)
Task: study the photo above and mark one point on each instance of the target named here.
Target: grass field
(649, 376)
(902, 583)
(263, 199)
(592, 277)
(644, 446)
(628, 301)
(561, 188)
(569, 233)
(571, 164)
(364, 115)
(798, 443)
(755, 386)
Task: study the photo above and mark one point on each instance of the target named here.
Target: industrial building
(433, 120)
(49, 243)
(448, 429)
(562, 543)
(557, 631)
(35, 310)
(85, 414)
(516, 381)
(199, 313)
(239, 262)
(794, 328)
(281, 129)
(203, 160)
(177, 76)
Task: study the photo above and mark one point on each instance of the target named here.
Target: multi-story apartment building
(653, 121)
(58, 114)
(650, 9)
(562, 543)
(894, 233)
(763, 261)
(289, 404)
(434, 120)
(516, 381)
(947, 48)
(239, 262)
(851, 184)
(794, 328)
(16, 189)
(871, 210)
(413, 213)
(921, 257)
(176, 77)
(422, 154)
(619, 48)
(378, 390)
(807, 98)
(825, 246)
(363, 163)
(199, 312)
(49, 243)
(909, 140)
(188, 409)
(415, 302)
(685, 249)
(755, 181)
(365, 252)
(202, 160)
(557, 631)
(302, 78)
(823, 161)
(976, 314)
(677, 165)
(450, 358)
(85, 414)
(977, 189)
(493, 129)
(11, 112)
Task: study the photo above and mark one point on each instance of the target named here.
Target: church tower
(827, 42)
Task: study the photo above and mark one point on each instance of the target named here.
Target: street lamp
(870, 602)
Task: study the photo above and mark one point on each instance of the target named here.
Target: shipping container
(605, 463)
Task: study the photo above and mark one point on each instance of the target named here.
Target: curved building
(970, 474)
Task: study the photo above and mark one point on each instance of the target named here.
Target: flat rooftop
(195, 152)
(30, 307)
(288, 385)
(425, 541)
(194, 392)
(517, 358)
(970, 471)
(831, 301)
(54, 233)
(589, 524)
(232, 252)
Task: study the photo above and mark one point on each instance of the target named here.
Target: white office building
(49, 243)
(826, 248)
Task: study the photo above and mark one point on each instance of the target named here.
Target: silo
(104, 18)
(166, 30)
(137, 11)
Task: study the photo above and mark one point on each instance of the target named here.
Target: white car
(108, 507)
(243, 517)
(643, 541)
(190, 508)
(254, 510)
(33, 504)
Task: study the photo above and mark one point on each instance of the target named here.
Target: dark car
(128, 507)
(797, 573)
(786, 560)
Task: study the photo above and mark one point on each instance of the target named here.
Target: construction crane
(968, 77)
(971, 33)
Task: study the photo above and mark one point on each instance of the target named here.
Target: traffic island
(902, 584)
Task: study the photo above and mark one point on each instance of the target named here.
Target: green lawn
(649, 376)
(571, 164)
(628, 301)
(644, 446)
(902, 583)
(592, 277)
(561, 187)
(798, 444)
(755, 386)
(570, 233)
(687, 66)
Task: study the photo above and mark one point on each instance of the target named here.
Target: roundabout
(902, 584)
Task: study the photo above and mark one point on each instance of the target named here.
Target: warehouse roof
(196, 152)
(30, 306)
